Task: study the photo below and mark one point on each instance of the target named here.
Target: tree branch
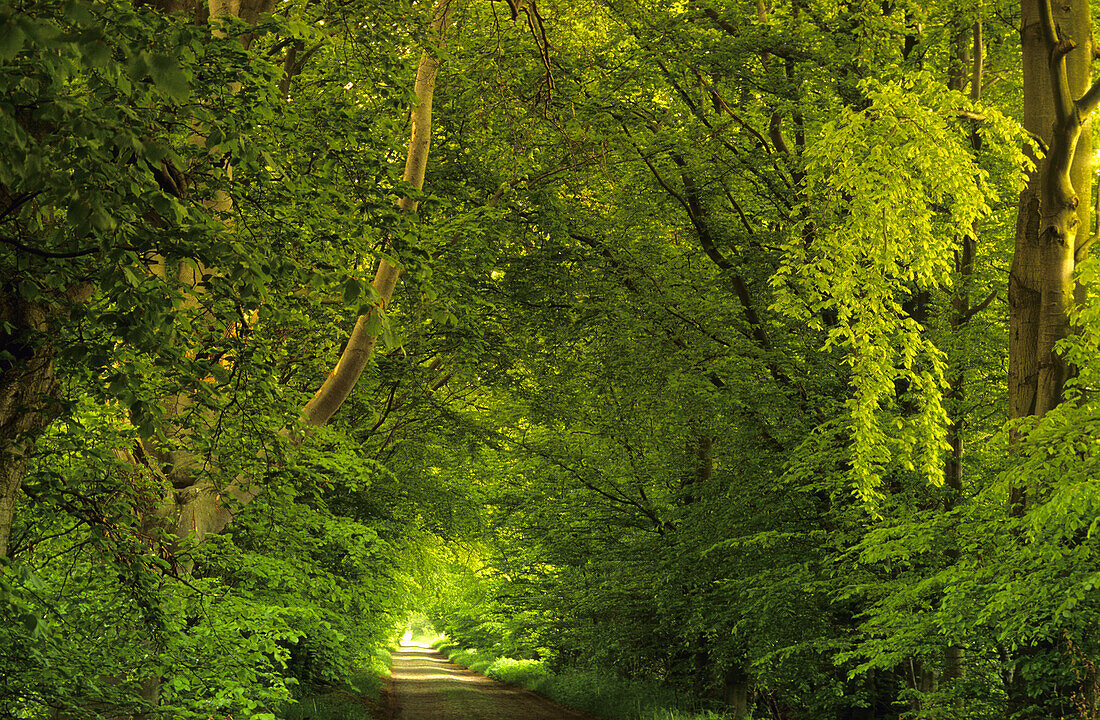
(1082, 250)
(656, 174)
(357, 353)
(978, 52)
(1058, 47)
(1089, 100)
(775, 132)
(740, 212)
(965, 317)
(46, 253)
(18, 202)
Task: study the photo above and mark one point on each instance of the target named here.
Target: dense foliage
(696, 375)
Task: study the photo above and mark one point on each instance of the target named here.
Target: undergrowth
(336, 705)
(587, 690)
(359, 699)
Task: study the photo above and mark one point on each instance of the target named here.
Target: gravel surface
(430, 687)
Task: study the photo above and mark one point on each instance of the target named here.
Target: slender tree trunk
(967, 68)
(737, 692)
(360, 347)
(202, 508)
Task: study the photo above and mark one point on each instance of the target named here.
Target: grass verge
(598, 694)
(361, 699)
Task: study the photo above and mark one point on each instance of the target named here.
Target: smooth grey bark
(1052, 221)
(1052, 226)
(360, 347)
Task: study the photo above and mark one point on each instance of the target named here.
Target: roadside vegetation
(707, 356)
(591, 691)
(358, 696)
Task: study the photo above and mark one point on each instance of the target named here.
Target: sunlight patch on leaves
(890, 190)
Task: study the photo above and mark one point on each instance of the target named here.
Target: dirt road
(430, 687)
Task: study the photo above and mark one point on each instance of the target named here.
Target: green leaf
(102, 220)
(28, 290)
(96, 54)
(214, 138)
(138, 67)
(351, 290)
(78, 12)
(11, 41)
(169, 77)
(78, 213)
(32, 624)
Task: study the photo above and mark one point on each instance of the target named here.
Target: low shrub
(474, 659)
(596, 693)
(608, 696)
(531, 674)
(359, 696)
(667, 714)
(336, 705)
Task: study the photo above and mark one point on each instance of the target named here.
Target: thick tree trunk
(194, 505)
(28, 397)
(29, 390)
(1053, 221)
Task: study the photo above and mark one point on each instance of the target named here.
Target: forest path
(428, 686)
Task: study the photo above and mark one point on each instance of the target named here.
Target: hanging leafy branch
(889, 187)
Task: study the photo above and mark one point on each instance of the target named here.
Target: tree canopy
(744, 347)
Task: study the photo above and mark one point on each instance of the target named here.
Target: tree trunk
(29, 389)
(28, 397)
(360, 347)
(203, 508)
(1052, 223)
(1051, 220)
(966, 69)
(737, 692)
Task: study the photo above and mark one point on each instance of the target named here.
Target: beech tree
(1054, 226)
(1052, 237)
(151, 296)
(193, 505)
(663, 367)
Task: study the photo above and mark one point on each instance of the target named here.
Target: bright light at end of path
(407, 641)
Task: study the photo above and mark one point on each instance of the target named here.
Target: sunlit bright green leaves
(890, 190)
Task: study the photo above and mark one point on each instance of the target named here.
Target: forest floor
(427, 686)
